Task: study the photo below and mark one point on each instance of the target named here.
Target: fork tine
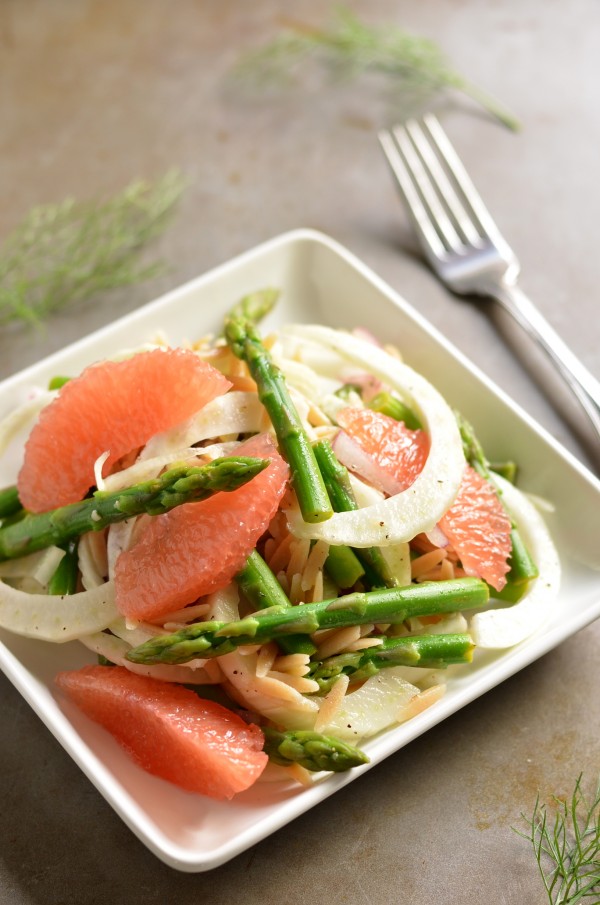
(470, 195)
(461, 219)
(426, 189)
(413, 201)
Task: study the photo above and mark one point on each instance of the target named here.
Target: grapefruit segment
(169, 731)
(478, 528)
(197, 548)
(115, 406)
(476, 524)
(397, 450)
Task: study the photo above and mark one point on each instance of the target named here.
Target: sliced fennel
(57, 618)
(146, 469)
(40, 565)
(418, 508)
(24, 416)
(501, 628)
(233, 413)
(374, 706)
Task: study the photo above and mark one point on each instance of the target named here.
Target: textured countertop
(94, 94)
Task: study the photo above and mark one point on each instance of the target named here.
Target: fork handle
(583, 384)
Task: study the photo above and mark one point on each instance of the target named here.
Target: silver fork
(463, 245)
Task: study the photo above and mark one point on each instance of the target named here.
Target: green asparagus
(246, 344)
(64, 580)
(522, 567)
(259, 585)
(10, 503)
(506, 470)
(262, 590)
(311, 750)
(391, 406)
(472, 448)
(57, 382)
(337, 483)
(522, 570)
(176, 486)
(255, 306)
(430, 651)
(384, 605)
(344, 567)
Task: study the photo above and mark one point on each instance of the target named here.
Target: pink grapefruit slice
(397, 450)
(478, 528)
(169, 731)
(476, 524)
(113, 406)
(197, 548)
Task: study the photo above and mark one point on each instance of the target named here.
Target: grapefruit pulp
(169, 731)
(197, 548)
(397, 450)
(476, 524)
(478, 528)
(115, 406)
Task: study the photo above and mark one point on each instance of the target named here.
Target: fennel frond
(64, 253)
(414, 68)
(566, 845)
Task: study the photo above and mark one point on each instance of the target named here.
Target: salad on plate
(275, 544)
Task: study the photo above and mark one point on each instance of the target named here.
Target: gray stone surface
(93, 94)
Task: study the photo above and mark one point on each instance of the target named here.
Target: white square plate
(321, 283)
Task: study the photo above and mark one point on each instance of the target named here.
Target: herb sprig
(414, 68)
(65, 253)
(567, 846)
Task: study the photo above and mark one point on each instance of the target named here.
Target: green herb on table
(566, 845)
(414, 69)
(65, 253)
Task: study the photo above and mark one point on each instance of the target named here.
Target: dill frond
(414, 68)
(62, 254)
(566, 846)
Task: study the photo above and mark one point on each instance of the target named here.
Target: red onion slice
(368, 384)
(359, 462)
(419, 507)
(366, 336)
(437, 537)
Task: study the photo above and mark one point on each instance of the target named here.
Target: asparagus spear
(472, 448)
(246, 344)
(522, 570)
(522, 566)
(64, 580)
(58, 381)
(260, 585)
(506, 470)
(337, 483)
(10, 503)
(311, 750)
(344, 566)
(476, 457)
(391, 406)
(255, 306)
(176, 486)
(212, 639)
(430, 651)
(262, 589)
